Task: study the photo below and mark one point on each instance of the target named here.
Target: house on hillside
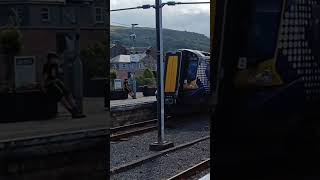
(136, 63)
(137, 59)
(49, 25)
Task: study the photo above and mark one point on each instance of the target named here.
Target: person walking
(55, 88)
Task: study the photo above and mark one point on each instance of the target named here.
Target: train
(266, 76)
(186, 81)
(263, 53)
(271, 59)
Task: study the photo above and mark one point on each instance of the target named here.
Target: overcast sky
(192, 18)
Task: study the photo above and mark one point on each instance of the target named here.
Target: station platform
(206, 177)
(128, 111)
(97, 118)
(61, 125)
(131, 102)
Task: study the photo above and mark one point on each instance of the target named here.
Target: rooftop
(127, 58)
(121, 59)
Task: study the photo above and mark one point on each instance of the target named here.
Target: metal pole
(133, 35)
(160, 71)
(77, 66)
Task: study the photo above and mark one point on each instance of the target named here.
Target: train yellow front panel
(171, 75)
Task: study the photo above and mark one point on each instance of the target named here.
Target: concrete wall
(123, 115)
(4, 78)
(4, 15)
(37, 42)
(31, 14)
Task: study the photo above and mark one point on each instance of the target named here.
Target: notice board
(25, 71)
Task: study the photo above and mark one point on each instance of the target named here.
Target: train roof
(197, 52)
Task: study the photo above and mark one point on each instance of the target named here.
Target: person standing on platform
(132, 83)
(127, 88)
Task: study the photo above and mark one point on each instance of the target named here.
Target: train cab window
(190, 73)
(264, 21)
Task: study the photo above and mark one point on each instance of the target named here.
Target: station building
(49, 25)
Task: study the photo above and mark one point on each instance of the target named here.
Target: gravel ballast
(138, 146)
(168, 165)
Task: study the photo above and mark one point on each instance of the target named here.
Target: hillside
(172, 39)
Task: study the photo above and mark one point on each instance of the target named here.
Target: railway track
(138, 162)
(122, 132)
(198, 168)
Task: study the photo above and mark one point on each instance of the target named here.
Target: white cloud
(195, 18)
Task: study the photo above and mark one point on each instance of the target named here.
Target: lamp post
(161, 143)
(133, 35)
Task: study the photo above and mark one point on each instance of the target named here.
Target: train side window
(316, 30)
(264, 21)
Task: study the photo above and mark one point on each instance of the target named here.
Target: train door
(172, 74)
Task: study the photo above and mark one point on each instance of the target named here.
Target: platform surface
(131, 102)
(97, 118)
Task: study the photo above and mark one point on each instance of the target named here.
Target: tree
(10, 46)
(113, 76)
(147, 78)
(148, 73)
(95, 59)
(11, 41)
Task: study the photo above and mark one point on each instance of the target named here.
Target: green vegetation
(113, 76)
(95, 60)
(172, 39)
(11, 41)
(147, 78)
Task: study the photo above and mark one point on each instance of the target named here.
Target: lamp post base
(160, 146)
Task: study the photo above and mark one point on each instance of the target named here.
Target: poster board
(24, 71)
(117, 84)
